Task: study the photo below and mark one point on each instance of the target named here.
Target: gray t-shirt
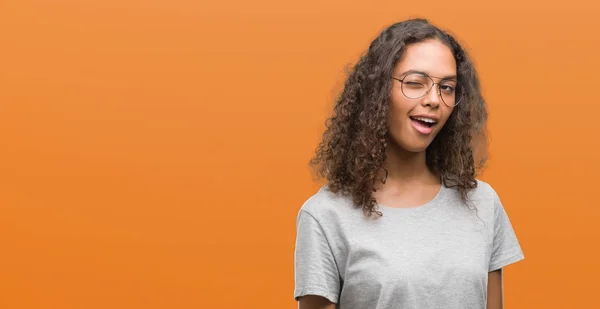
(437, 255)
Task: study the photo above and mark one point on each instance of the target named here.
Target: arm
(494, 290)
(314, 302)
(316, 276)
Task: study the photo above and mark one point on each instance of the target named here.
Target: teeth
(424, 119)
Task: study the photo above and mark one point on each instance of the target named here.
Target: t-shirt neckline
(417, 209)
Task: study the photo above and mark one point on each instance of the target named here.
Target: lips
(423, 124)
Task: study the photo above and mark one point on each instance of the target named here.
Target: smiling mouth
(424, 121)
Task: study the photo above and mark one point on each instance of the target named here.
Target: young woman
(402, 221)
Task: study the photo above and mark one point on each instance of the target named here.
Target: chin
(413, 147)
(416, 148)
(411, 144)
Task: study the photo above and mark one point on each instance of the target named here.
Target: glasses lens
(449, 92)
(458, 96)
(415, 85)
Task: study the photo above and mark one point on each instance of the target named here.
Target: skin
(495, 291)
(410, 183)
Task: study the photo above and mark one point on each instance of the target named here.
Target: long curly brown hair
(353, 149)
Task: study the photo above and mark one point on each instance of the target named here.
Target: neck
(407, 168)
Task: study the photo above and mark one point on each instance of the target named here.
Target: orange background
(154, 153)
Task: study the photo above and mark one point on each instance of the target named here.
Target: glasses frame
(439, 91)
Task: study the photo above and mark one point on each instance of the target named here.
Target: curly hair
(352, 152)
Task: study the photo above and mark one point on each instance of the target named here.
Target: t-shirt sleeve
(315, 269)
(505, 248)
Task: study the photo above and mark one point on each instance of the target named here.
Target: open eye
(449, 89)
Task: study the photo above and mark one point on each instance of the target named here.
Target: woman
(403, 222)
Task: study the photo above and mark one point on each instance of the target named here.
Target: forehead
(430, 56)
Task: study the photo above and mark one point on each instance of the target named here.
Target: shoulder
(326, 206)
(484, 191)
(485, 197)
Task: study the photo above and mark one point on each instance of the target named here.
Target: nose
(433, 97)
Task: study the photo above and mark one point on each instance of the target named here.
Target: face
(410, 118)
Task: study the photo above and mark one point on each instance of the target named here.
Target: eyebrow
(424, 73)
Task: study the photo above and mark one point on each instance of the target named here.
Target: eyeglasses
(417, 85)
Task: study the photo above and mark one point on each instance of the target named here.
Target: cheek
(446, 115)
(400, 105)
(397, 115)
